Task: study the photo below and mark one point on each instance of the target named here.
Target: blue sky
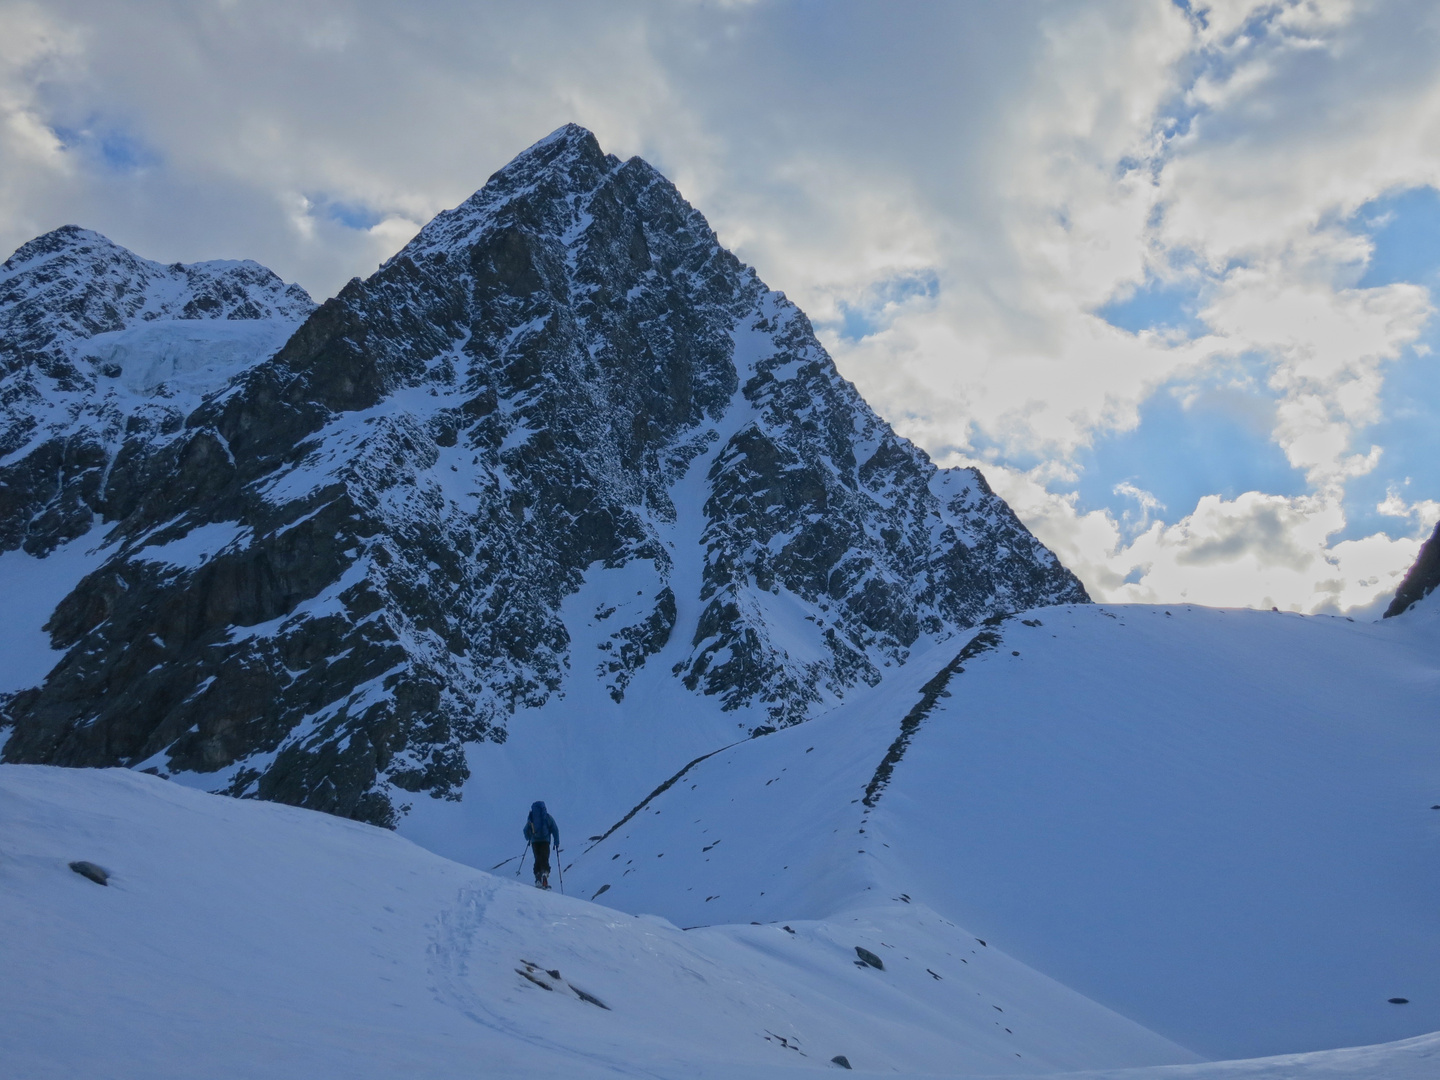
(1193, 441)
(1405, 229)
(1190, 442)
(110, 149)
(1156, 305)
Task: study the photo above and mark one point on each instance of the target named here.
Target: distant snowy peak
(102, 355)
(73, 283)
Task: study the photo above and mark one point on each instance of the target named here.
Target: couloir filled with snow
(1119, 840)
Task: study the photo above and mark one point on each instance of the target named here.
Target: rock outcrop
(1420, 580)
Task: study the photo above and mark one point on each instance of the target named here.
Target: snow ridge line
(930, 693)
(657, 792)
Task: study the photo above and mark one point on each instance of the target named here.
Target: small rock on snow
(869, 958)
(97, 874)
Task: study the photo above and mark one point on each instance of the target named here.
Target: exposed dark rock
(588, 997)
(1421, 579)
(537, 981)
(930, 695)
(870, 958)
(97, 874)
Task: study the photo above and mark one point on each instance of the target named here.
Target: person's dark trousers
(542, 858)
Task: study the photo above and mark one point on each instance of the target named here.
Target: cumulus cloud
(1327, 347)
(1292, 120)
(1256, 550)
(955, 193)
(1422, 513)
(314, 136)
(33, 49)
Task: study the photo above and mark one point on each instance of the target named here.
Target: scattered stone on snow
(538, 982)
(869, 958)
(97, 874)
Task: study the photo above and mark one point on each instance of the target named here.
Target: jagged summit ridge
(565, 163)
(428, 499)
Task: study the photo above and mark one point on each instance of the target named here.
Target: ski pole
(559, 870)
(522, 860)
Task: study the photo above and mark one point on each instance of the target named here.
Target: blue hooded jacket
(540, 826)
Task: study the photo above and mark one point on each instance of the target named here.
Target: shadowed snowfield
(1201, 834)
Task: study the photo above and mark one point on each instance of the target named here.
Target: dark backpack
(539, 830)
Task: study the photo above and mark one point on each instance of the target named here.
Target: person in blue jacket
(540, 830)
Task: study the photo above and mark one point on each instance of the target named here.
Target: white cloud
(1256, 550)
(1422, 513)
(1327, 347)
(257, 113)
(1023, 163)
(33, 49)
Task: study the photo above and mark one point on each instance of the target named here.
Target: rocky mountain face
(1420, 580)
(352, 561)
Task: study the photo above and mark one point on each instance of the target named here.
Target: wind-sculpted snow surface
(1222, 824)
(565, 381)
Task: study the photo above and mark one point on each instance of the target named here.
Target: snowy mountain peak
(43, 248)
(562, 462)
(76, 283)
(543, 188)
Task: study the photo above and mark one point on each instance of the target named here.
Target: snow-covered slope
(245, 939)
(562, 448)
(1218, 823)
